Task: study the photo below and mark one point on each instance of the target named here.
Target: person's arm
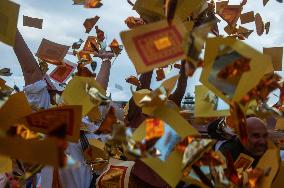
(135, 111)
(178, 94)
(145, 80)
(30, 68)
(104, 73)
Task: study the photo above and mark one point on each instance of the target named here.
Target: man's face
(257, 139)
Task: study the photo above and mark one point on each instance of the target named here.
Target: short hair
(212, 129)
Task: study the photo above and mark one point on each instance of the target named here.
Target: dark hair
(212, 129)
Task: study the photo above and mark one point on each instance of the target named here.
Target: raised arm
(104, 73)
(27, 61)
(134, 111)
(178, 94)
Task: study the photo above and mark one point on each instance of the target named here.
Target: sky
(63, 23)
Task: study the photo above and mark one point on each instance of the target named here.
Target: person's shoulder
(230, 145)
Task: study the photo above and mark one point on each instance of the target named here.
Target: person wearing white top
(37, 94)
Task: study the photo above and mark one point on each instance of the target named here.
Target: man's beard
(259, 151)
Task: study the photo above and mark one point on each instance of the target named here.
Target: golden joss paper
(2, 83)
(220, 5)
(153, 10)
(247, 17)
(96, 155)
(94, 115)
(63, 73)
(93, 4)
(259, 24)
(84, 71)
(150, 100)
(244, 31)
(9, 12)
(34, 151)
(189, 180)
(145, 97)
(239, 122)
(260, 92)
(116, 174)
(84, 56)
(149, 10)
(230, 29)
(25, 133)
(115, 47)
(139, 95)
(160, 74)
(133, 80)
(166, 168)
(230, 13)
(243, 161)
(186, 8)
(221, 50)
(238, 67)
(90, 23)
(108, 122)
(175, 120)
(270, 159)
(170, 9)
(10, 113)
(75, 93)
(162, 43)
(4, 88)
(32, 22)
(278, 181)
(173, 162)
(195, 150)
(265, 2)
(279, 124)
(153, 99)
(155, 45)
(52, 52)
(5, 164)
(276, 54)
(79, 2)
(47, 121)
(100, 34)
(207, 108)
(235, 82)
(91, 45)
(133, 22)
(43, 66)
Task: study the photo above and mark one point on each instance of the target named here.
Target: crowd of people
(141, 176)
(147, 142)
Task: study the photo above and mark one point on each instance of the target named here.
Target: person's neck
(247, 152)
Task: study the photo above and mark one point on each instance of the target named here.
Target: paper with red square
(62, 73)
(46, 121)
(116, 174)
(52, 52)
(150, 53)
(155, 45)
(244, 161)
